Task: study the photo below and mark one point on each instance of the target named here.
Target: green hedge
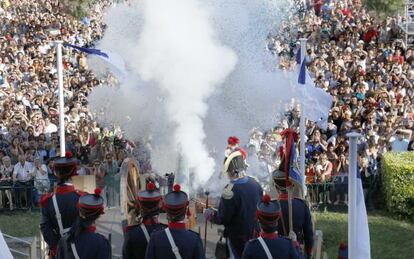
(398, 183)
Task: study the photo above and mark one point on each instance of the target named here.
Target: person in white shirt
(399, 142)
(49, 128)
(41, 180)
(22, 181)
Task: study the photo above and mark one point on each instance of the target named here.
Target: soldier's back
(135, 242)
(302, 222)
(88, 245)
(66, 201)
(188, 242)
(279, 247)
(246, 194)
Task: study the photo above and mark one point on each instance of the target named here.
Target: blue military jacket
(188, 242)
(88, 244)
(302, 222)
(135, 242)
(67, 199)
(237, 209)
(279, 247)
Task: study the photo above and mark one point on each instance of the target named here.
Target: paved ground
(110, 225)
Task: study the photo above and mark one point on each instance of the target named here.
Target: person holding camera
(41, 180)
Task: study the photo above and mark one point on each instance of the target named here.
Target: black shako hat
(65, 167)
(235, 163)
(176, 203)
(91, 206)
(268, 211)
(149, 199)
(279, 178)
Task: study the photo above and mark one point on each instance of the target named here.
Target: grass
(390, 238)
(20, 223)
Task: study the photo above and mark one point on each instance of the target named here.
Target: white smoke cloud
(198, 72)
(180, 52)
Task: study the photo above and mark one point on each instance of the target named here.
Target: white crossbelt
(265, 248)
(74, 251)
(231, 253)
(144, 229)
(172, 243)
(62, 230)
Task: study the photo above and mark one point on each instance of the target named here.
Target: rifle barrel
(203, 204)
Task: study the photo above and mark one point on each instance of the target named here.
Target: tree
(384, 7)
(77, 8)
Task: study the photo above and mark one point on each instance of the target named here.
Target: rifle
(203, 204)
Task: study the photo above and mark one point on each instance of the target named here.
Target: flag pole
(352, 195)
(61, 99)
(302, 126)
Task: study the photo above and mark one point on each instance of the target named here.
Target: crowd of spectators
(369, 72)
(29, 139)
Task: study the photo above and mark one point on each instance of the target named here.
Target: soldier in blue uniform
(301, 215)
(136, 237)
(175, 242)
(58, 208)
(269, 244)
(81, 242)
(237, 209)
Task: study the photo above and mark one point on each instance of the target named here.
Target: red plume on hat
(233, 140)
(177, 188)
(150, 186)
(68, 154)
(266, 199)
(98, 192)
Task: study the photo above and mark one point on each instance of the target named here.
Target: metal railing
(31, 246)
(31, 191)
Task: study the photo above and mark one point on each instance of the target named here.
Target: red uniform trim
(154, 199)
(176, 225)
(91, 229)
(309, 250)
(63, 189)
(60, 189)
(53, 251)
(150, 221)
(44, 199)
(174, 207)
(81, 205)
(283, 197)
(268, 235)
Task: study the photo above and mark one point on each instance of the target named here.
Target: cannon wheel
(130, 186)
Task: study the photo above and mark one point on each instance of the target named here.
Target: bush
(77, 8)
(398, 183)
(384, 8)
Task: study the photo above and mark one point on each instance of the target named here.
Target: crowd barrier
(23, 195)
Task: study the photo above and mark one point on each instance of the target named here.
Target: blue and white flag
(4, 249)
(115, 63)
(362, 245)
(316, 101)
(294, 173)
(97, 52)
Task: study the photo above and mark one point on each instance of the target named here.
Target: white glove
(292, 236)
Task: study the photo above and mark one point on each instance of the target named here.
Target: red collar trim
(91, 229)
(268, 235)
(176, 225)
(62, 189)
(283, 196)
(150, 221)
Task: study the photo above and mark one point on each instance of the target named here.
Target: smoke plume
(198, 72)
